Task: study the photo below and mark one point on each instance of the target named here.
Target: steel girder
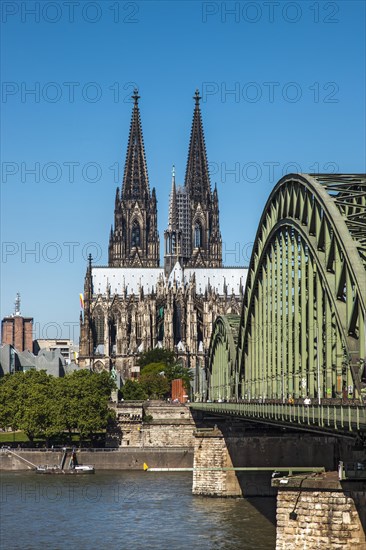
(303, 318)
(223, 381)
(349, 194)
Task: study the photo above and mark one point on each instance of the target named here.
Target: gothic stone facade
(133, 304)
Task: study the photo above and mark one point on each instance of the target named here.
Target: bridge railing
(327, 417)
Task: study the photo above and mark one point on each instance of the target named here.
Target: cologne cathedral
(134, 304)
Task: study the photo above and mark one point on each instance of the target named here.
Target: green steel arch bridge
(297, 355)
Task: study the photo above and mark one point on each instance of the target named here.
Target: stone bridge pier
(320, 512)
(211, 465)
(312, 510)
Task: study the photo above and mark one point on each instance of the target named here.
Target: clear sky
(283, 87)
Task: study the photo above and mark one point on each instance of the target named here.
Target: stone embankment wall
(167, 435)
(126, 459)
(319, 514)
(161, 410)
(153, 424)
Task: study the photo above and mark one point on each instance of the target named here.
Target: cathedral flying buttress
(133, 304)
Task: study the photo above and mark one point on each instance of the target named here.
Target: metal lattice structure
(223, 376)
(302, 327)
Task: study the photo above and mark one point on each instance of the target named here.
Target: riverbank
(129, 458)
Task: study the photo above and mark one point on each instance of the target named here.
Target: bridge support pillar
(320, 512)
(210, 451)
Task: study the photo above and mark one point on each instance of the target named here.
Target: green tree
(87, 398)
(33, 403)
(44, 406)
(154, 368)
(157, 355)
(133, 391)
(10, 388)
(170, 371)
(154, 384)
(64, 405)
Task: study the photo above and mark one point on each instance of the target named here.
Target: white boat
(77, 470)
(74, 467)
(84, 469)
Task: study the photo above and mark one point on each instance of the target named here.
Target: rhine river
(127, 510)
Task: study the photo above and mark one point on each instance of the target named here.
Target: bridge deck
(331, 418)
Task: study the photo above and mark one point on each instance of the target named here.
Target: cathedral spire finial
(135, 183)
(135, 96)
(197, 179)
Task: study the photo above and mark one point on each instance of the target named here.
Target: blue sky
(283, 87)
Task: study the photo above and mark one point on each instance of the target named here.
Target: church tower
(173, 235)
(134, 240)
(205, 236)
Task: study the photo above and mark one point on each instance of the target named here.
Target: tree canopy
(133, 391)
(159, 367)
(154, 382)
(156, 355)
(44, 406)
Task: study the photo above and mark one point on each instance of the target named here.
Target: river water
(127, 510)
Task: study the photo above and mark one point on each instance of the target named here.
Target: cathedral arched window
(113, 334)
(197, 235)
(135, 234)
(98, 332)
(177, 323)
(129, 327)
(99, 329)
(138, 329)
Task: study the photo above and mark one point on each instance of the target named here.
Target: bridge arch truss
(223, 381)
(303, 321)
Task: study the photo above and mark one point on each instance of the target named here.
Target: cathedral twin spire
(205, 241)
(193, 234)
(134, 241)
(135, 179)
(197, 178)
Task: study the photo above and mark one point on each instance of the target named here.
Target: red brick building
(18, 332)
